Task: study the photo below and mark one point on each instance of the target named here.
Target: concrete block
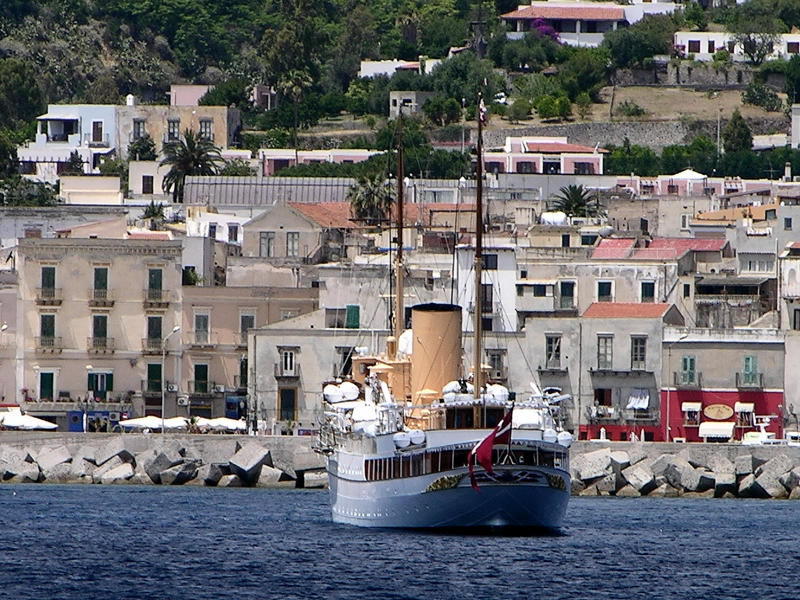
(229, 481)
(720, 464)
(179, 474)
(172, 449)
(112, 463)
(705, 480)
(770, 474)
(140, 478)
(660, 464)
(590, 491)
(791, 479)
(749, 488)
(774, 467)
(682, 475)
(607, 484)
(21, 471)
(211, 474)
(593, 465)
(627, 491)
(315, 479)
(704, 494)
(640, 478)
(724, 482)
(160, 463)
(119, 474)
(636, 453)
(59, 473)
(114, 447)
(81, 467)
(795, 493)
(665, 490)
(247, 462)
(51, 457)
(86, 452)
(619, 460)
(576, 486)
(271, 477)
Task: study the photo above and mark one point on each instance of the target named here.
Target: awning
(691, 406)
(717, 429)
(744, 407)
(639, 399)
(49, 117)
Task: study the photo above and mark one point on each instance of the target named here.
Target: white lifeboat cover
(364, 412)
(527, 418)
(349, 390)
(417, 436)
(549, 435)
(497, 391)
(401, 439)
(565, 438)
(455, 387)
(405, 344)
(332, 393)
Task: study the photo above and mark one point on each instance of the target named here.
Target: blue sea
(86, 542)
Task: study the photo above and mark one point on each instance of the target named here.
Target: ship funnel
(436, 348)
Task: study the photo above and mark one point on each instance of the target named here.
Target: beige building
(92, 316)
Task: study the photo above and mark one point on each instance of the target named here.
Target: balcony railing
(151, 386)
(281, 371)
(48, 296)
(156, 296)
(602, 414)
(487, 308)
(100, 297)
(48, 343)
(151, 345)
(101, 141)
(100, 344)
(637, 414)
(201, 387)
(687, 379)
(201, 338)
(750, 380)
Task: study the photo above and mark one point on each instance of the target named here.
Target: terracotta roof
(658, 253)
(613, 248)
(626, 310)
(696, 244)
(583, 11)
(558, 147)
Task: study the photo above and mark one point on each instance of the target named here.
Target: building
(702, 45)
(546, 155)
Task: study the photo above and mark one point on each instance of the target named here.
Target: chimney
(787, 171)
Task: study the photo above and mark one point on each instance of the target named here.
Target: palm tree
(191, 155)
(577, 201)
(371, 199)
(294, 85)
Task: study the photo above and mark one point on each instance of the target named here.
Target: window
(247, 321)
(796, 319)
(207, 129)
(266, 244)
(99, 331)
(233, 233)
(487, 297)
(147, 184)
(584, 168)
(287, 362)
(604, 291)
(539, 290)
(787, 223)
(212, 231)
(731, 46)
(138, 132)
(553, 351)
(605, 349)
(694, 46)
(793, 47)
(47, 330)
(496, 359)
(287, 397)
(523, 273)
(154, 328)
(638, 353)
(153, 377)
(100, 384)
(685, 219)
(344, 361)
(710, 47)
(688, 374)
(201, 328)
(48, 282)
(687, 290)
(201, 379)
(100, 283)
(526, 167)
(672, 188)
(567, 294)
(489, 262)
(565, 240)
(46, 385)
(154, 284)
(97, 132)
(335, 318)
(750, 370)
(293, 243)
(173, 130)
(648, 291)
(588, 240)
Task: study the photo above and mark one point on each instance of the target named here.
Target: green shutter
(109, 382)
(90, 384)
(353, 319)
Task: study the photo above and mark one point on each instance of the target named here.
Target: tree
(577, 201)
(18, 191)
(630, 158)
(231, 92)
(792, 88)
(193, 154)
(154, 211)
(21, 98)
(143, 148)
(74, 164)
(583, 103)
(237, 167)
(695, 16)
(629, 46)
(520, 110)
(293, 85)
(371, 199)
(756, 45)
(8, 155)
(736, 135)
(547, 107)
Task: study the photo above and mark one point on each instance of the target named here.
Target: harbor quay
(624, 469)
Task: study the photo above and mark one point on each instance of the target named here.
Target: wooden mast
(398, 259)
(477, 377)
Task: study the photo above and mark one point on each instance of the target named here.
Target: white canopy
(744, 407)
(14, 419)
(174, 423)
(691, 406)
(148, 422)
(226, 424)
(717, 429)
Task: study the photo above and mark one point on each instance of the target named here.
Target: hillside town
(662, 305)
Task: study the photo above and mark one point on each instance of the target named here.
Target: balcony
(48, 296)
(602, 414)
(151, 345)
(203, 387)
(487, 308)
(687, 379)
(100, 345)
(282, 372)
(156, 298)
(638, 415)
(201, 339)
(750, 381)
(48, 344)
(151, 388)
(632, 372)
(552, 367)
(100, 298)
(96, 141)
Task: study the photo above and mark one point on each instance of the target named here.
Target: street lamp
(85, 404)
(175, 330)
(669, 366)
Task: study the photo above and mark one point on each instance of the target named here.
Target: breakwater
(172, 459)
(598, 468)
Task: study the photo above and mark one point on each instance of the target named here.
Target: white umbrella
(226, 424)
(16, 420)
(148, 422)
(174, 423)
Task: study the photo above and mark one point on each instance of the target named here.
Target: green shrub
(630, 109)
(761, 95)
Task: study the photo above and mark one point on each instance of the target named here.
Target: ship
(410, 441)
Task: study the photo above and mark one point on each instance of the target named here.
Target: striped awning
(691, 406)
(717, 429)
(744, 407)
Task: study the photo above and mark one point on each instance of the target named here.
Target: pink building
(274, 159)
(690, 183)
(547, 155)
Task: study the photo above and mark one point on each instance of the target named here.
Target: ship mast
(398, 259)
(477, 377)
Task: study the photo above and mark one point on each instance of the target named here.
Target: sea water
(110, 542)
